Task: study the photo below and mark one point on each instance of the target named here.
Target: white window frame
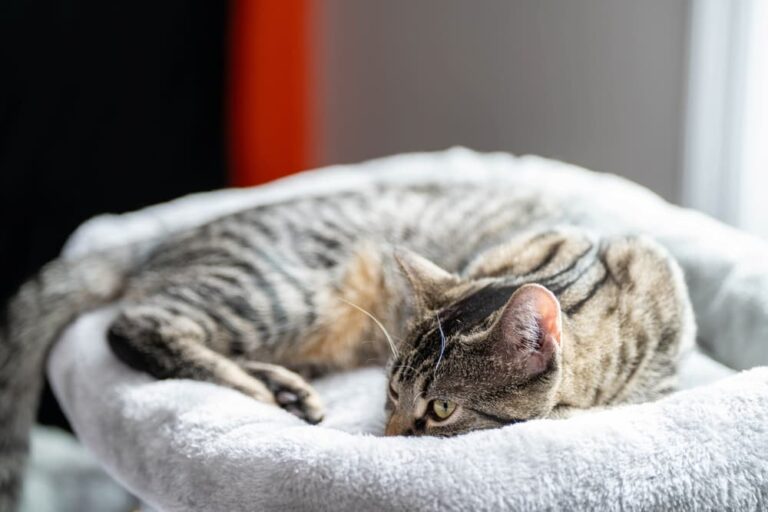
(726, 138)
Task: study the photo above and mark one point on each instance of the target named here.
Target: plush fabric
(182, 445)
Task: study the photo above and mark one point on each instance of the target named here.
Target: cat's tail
(34, 318)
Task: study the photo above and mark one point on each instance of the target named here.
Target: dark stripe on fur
(552, 252)
(597, 286)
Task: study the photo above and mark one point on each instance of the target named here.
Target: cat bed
(182, 445)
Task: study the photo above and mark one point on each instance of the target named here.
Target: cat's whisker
(442, 343)
(377, 322)
(406, 367)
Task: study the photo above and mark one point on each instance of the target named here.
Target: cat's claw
(290, 390)
(286, 398)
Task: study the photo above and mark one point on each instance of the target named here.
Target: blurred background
(108, 107)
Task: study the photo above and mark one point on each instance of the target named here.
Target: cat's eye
(442, 409)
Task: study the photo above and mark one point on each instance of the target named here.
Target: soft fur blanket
(182, 445)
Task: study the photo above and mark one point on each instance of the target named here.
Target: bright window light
(726, 153)
(754, 164)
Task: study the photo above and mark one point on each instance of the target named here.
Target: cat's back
(449, 223)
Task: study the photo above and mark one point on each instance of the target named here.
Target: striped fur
(262, 299)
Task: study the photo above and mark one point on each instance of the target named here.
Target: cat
(485, 310)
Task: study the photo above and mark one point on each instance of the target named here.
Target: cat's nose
(398, 425)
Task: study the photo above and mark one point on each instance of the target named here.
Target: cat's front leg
(167, 346)
(290, 390)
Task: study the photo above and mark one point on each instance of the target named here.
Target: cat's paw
(290, 390)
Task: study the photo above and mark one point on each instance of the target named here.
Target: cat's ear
(428, 281)
(530, 328)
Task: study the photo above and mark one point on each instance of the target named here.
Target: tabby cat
(486, 311)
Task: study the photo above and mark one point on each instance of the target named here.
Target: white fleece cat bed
(182, 445)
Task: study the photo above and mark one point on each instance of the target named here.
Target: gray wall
(598, 83)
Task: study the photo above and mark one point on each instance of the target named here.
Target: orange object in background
(269, 89)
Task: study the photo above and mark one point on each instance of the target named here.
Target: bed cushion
(182, 445)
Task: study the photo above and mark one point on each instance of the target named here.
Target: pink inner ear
(549, 312)
(532, 311)
(540, 303)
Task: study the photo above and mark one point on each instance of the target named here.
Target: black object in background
(104, 107)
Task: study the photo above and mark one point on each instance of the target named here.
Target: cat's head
(482, 352)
